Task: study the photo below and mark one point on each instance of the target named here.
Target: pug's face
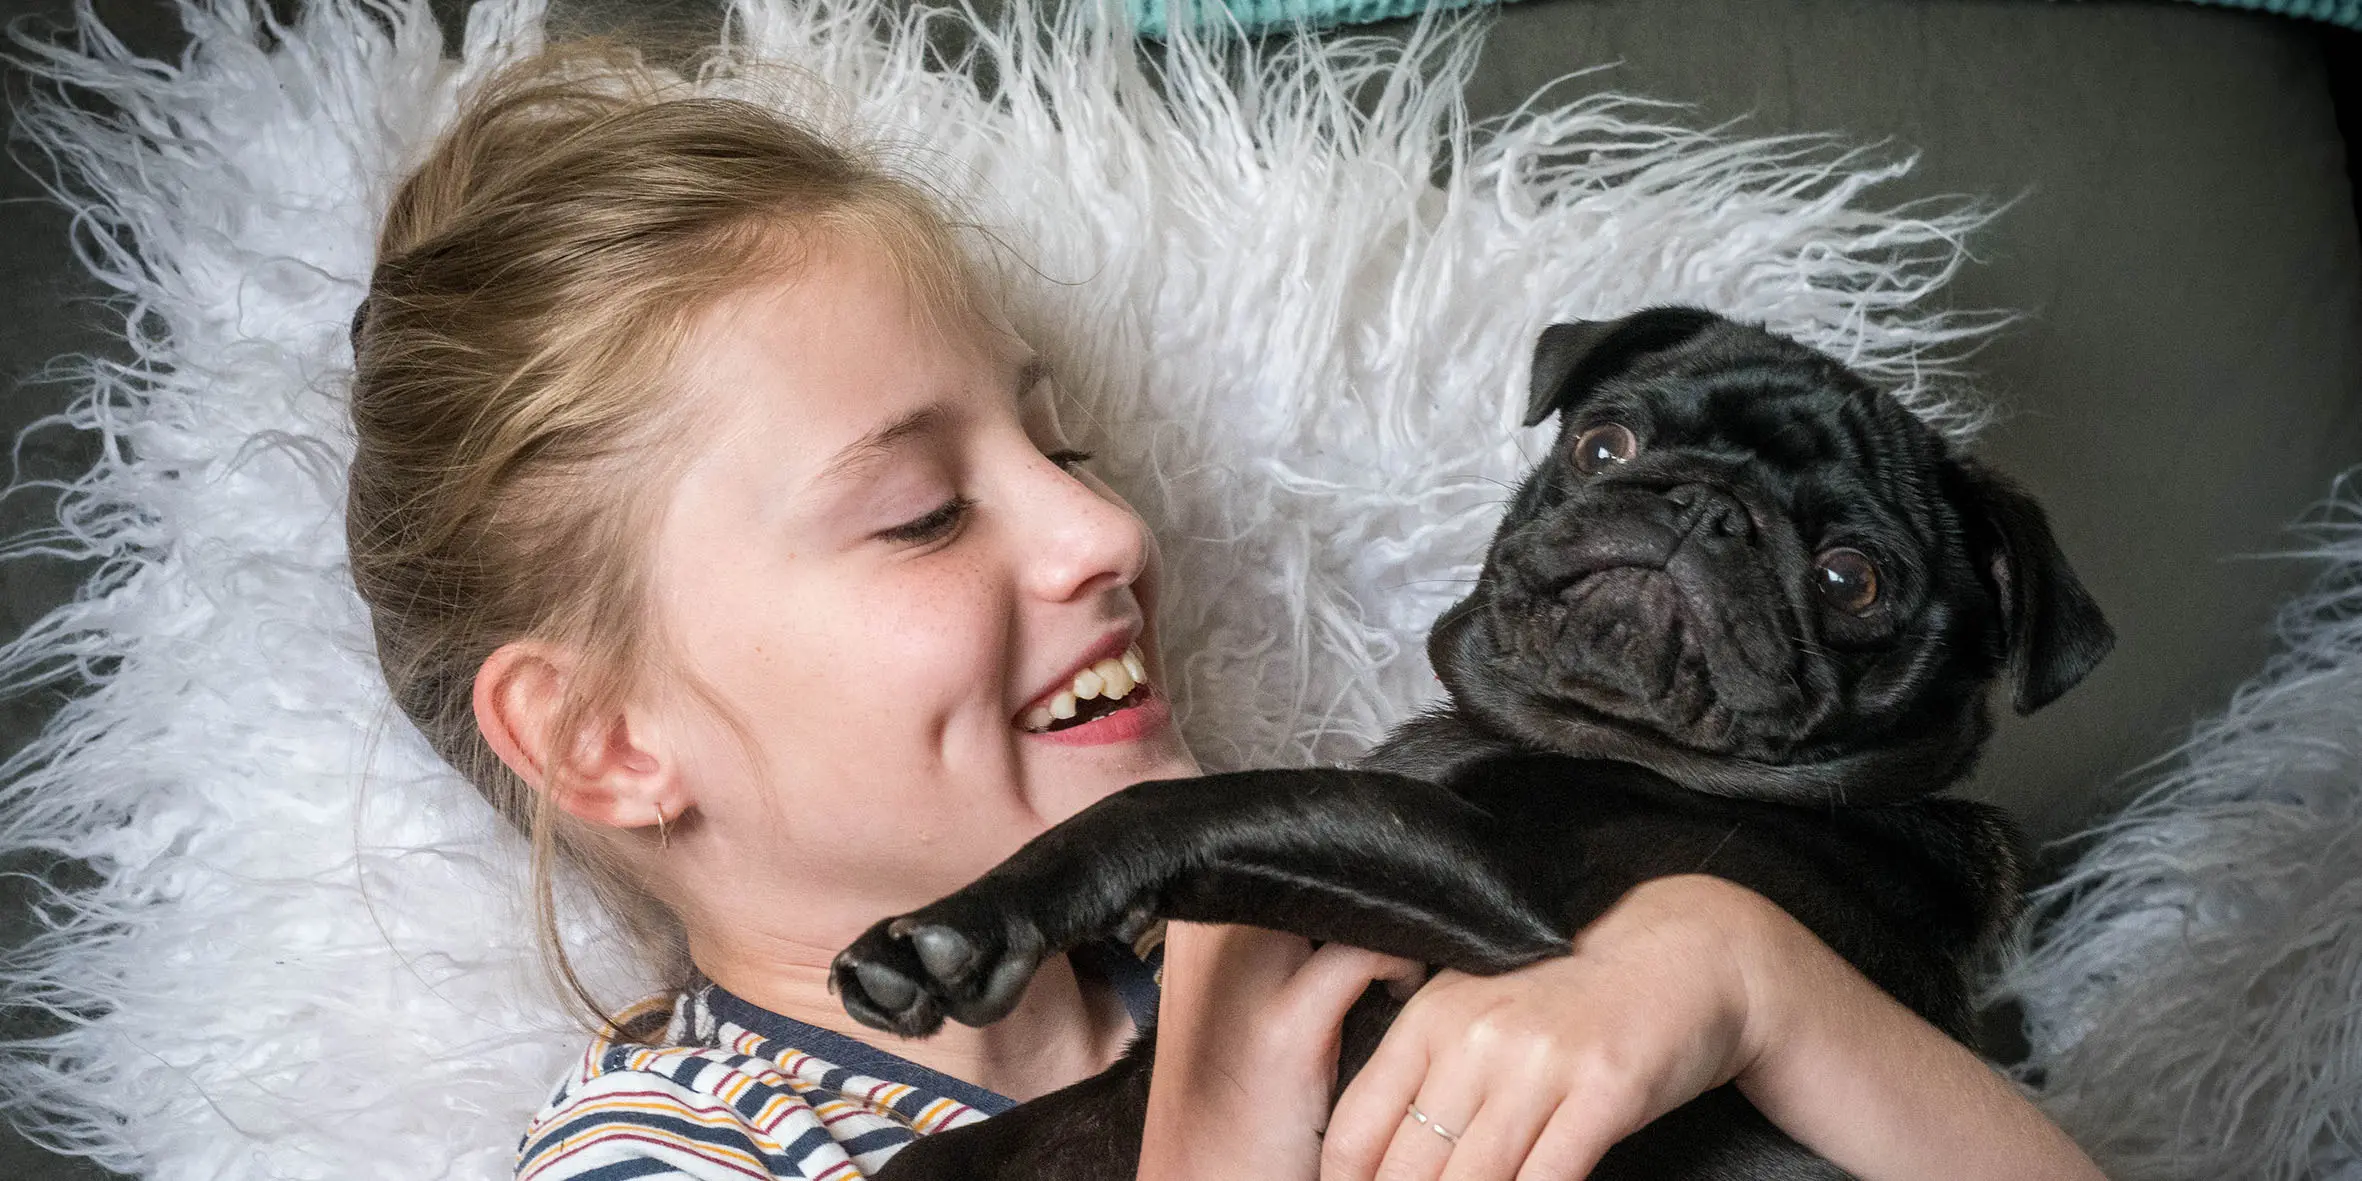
(1746, 567)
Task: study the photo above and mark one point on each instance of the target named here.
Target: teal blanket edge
(1256, 16)
(2337, 12)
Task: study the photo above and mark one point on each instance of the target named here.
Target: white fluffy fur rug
(2194, 995)
(1302, 358)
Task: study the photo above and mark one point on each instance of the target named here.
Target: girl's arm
(1846, 1069)
(1685, 984)
(1246, 1052)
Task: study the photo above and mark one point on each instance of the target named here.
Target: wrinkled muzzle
(1664, 609)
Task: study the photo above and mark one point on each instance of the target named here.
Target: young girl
(718, 527)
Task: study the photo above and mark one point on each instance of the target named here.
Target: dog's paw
(880, 982)
(905, 975)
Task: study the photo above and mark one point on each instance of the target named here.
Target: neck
(1060, 1033)
(1932, 752)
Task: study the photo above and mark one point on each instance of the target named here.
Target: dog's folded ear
(1570, 360)
(2054, 631)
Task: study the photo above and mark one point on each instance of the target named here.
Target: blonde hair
(536, 277)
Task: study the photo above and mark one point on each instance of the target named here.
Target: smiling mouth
(1116, 683)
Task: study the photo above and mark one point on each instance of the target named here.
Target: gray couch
(2188, 379)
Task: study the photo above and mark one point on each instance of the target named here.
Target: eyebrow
(875, 445)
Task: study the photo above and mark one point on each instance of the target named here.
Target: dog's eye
(1848, 579)
(1602, 445)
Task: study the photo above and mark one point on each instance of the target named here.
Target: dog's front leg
(1381, 861)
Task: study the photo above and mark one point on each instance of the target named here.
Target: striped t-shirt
(734, 1091)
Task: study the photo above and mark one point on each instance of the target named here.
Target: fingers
(1328, 983)
(1420, 1150)
(1364, 1123)
(1369, 967)
(1500, 1138)
(1248, 1050)
(1570, 1144)
(1424, 1123)
(1526, 1134)
(1243, 955)
(1527, 1091)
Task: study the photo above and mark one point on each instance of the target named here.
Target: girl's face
(886, 562)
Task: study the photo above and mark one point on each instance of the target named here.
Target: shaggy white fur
(1298, 352)
(2193, 986)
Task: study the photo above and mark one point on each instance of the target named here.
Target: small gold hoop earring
(664, 838)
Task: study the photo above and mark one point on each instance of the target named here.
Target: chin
(1070, 779)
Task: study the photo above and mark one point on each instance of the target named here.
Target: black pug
(1741, 620)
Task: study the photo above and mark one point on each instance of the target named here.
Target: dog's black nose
(1699, 507)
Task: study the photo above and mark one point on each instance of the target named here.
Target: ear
(1570, 360)
(604, 772)
(2055, 632)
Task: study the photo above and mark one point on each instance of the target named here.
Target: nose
(1711, 511)
(1081, 539)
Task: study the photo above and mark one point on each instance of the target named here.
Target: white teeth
(1115, 677)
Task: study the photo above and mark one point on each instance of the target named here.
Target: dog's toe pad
(947, 954)
(887, 988)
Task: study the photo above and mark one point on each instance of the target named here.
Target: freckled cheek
(940, 638)
(866, 664)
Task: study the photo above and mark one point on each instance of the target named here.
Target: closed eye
(935, 526)
(1069, 458)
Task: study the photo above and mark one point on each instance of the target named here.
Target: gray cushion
(2190, 379)
(2190, 376)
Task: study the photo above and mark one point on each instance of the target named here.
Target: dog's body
(1751, 646)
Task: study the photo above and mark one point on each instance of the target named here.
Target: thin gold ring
(1449, 1136)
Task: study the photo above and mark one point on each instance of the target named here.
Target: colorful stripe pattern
(719, 1101)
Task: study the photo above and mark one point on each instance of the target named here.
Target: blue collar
(1133, 979)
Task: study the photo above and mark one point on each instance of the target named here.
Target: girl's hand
(1536, 1073)
(1246, 1054)
(1686, 983)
